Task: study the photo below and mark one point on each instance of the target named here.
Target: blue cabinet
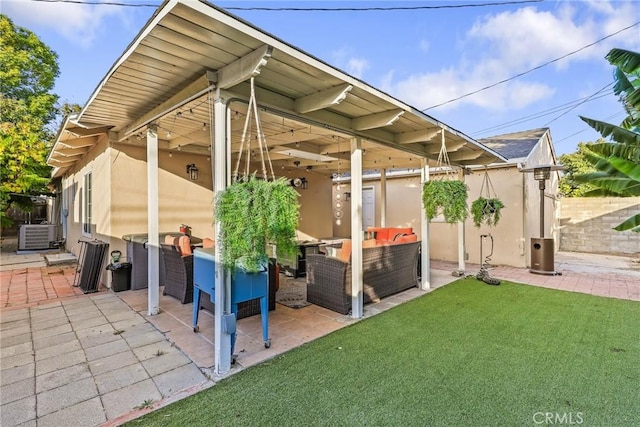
(244, 287)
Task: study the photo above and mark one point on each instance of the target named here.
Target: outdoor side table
(244, 287)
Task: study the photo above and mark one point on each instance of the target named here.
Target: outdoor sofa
(387, 269)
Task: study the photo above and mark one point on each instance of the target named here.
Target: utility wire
(588, 128)
(578, 104)
(307, 9)
(532, 69)
(539, 114)
(368, 9)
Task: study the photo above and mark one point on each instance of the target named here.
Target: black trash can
(120, 276)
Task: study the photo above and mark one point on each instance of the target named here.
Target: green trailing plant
(448, 197)
(486, 211)
(252, 213)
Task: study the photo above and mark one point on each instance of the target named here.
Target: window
(86, 208)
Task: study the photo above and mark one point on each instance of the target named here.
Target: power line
(539, 114)
(578, 104)
(588, 128)
(532, 69)
(369, 9)
(307, 9)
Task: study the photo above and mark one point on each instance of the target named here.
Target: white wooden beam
(192, 91)
(377, 120)
(466, 155)
(222, 340)
(383, 197)
(425, 279)
(357, 276)
(85, 141)
(323, 99)
(244, 68)
(417, 136)
(81, 131)
(153, 226)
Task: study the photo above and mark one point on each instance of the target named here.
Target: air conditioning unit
(37, 236)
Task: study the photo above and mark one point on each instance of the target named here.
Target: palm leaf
(632, 223)
(625, 151)
(623, 85)
(630, 169)
(617, 133)
(628, 61)
(618, 186)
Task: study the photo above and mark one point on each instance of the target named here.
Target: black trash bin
(120, 276)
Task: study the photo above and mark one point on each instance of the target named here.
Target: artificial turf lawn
(465, 354)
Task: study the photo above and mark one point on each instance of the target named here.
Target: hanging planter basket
(254, 212)
(446, 196)
(486, 209)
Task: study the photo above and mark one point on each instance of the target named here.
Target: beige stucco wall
(404, 203)
(119, 175)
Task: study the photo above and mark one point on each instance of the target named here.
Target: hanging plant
(446, 197)
(486, 208)
(253, 212)
(486, 211)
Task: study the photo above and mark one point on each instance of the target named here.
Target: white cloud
(76, 22)
(503, 45)
(353, 65)
(357, 66)
(424, 45)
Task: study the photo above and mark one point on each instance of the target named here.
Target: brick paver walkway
(31, 286)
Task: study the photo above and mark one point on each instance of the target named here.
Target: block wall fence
(586, 225)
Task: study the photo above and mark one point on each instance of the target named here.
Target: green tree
(617, 162)
(27, 75)
(576, 164)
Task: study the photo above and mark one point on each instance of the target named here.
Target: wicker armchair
(178, 274)
(387, 269)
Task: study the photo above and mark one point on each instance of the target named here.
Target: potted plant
(486, 210)
(446, 197)
(253, 212)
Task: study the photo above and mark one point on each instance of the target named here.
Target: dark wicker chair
(248, 308)
(178, 281)
(387, 270)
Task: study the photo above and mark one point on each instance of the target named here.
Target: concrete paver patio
(99, 359)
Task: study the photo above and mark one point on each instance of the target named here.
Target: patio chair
(178, 274)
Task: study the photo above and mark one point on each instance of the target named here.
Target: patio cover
(184, 79)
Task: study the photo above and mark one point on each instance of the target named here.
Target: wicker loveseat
(388, 269)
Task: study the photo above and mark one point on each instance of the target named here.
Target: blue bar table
(244, 287)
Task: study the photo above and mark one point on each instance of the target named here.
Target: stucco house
(518, 191)
(163, 130)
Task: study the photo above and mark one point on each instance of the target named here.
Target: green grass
(466, 354)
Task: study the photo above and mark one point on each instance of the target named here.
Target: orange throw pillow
(345, 251)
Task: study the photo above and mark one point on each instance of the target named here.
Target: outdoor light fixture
(300, 183)
(192, 171)
(347, 196)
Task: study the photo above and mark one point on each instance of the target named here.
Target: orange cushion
(208, 243)
(184, 243)
(170, 240)
(408, 238)
(345, 251)
(369, 243)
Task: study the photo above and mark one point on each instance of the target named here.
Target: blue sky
(423, 57)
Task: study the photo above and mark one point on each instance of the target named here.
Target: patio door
(368, 207)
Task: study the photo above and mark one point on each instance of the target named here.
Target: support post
(461, 236)
(383, 197)
(222, 341)
(425, 280)
(356, 229)
(153, 244)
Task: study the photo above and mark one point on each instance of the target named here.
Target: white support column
(461, 236)
(425, 281)
(153, 244)
(356, 229)
(383, 197)
(222, 341)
